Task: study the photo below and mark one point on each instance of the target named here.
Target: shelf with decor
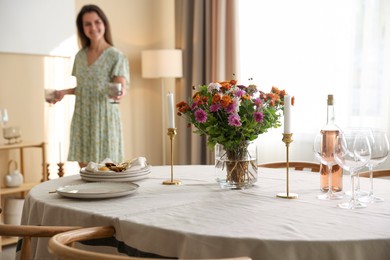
(25, 187)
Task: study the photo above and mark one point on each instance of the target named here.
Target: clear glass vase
(236, 168)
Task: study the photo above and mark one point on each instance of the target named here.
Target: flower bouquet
(233, 116)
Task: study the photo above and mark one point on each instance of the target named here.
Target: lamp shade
(162, 64)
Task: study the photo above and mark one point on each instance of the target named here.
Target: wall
(136, 25)
(17, 38)
(21, 92)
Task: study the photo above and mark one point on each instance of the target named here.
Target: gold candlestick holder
(47, 172)
(171, 134)
(287, 139)
(60, 169)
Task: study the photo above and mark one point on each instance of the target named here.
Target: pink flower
(234, 120)
(258, 116)
(200, 116)
(236, 103)
(194, 105)
(230, 108)
(240, 92)
(215, 107)
(258, 102)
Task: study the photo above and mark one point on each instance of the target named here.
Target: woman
(96, 129)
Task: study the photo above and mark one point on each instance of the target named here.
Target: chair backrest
(376, 174)
(28, 231)
(61, 245)
(299, 166)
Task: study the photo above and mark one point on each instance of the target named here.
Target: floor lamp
(165, 63)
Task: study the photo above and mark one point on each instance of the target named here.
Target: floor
(8, 252)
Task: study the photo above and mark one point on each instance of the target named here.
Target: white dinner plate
(97, 190)
(116, 174)
(101, 178)
(111, 175)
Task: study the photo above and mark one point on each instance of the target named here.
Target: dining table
(198, 219)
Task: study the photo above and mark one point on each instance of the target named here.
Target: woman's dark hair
(84, 40)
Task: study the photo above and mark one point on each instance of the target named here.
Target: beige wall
(136, 25)
(21, 92)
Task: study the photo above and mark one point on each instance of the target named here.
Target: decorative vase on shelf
(236, 167)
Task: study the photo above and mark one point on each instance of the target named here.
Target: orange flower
(225, 85)
(275, 90)
(233, 82)
(182, 107)
(292, 100)
(197, 98)
(216, 98)
(246, 97)
(269, 96)
(226, 100)
(262, 96)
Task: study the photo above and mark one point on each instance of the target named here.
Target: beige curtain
(206, 31)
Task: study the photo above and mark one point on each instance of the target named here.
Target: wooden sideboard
(26, 186)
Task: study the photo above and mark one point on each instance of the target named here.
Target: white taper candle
(287, 114)
(59, 150)
(171, 113)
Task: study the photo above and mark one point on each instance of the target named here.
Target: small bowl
(12, 132)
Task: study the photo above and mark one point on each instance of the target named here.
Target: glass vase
(236, 168)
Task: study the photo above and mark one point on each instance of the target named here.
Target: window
(313, 48)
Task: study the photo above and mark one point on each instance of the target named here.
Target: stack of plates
(111, 176)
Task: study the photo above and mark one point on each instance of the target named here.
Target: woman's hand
(59, 94)
(122, 81)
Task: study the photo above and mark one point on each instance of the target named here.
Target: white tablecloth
(197, 219)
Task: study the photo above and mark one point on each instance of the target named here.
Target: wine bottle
(330, 132)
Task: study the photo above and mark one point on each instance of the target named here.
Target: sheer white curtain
(313, 48)
(58, 116)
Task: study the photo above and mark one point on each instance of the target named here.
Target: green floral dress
(96, 128)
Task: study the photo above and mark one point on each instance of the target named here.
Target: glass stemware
(50, 96)
(114, 91)
(3, 117)
(379, 152)
(364, 131)
(352, 152)
(325, 155)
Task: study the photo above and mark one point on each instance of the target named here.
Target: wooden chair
(299, 166)
(376, 174)
(27, 232)
(61, 245)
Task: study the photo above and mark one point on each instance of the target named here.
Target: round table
(199, 220)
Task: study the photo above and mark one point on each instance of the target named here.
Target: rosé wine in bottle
(330, 132)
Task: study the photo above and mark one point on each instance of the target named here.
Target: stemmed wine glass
(364, 131)
(114, 91)
(352, 152)
(379, 153)
(324, 152)
(3, 117)
(50, 96)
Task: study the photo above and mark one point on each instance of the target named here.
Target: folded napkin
(135, 164)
